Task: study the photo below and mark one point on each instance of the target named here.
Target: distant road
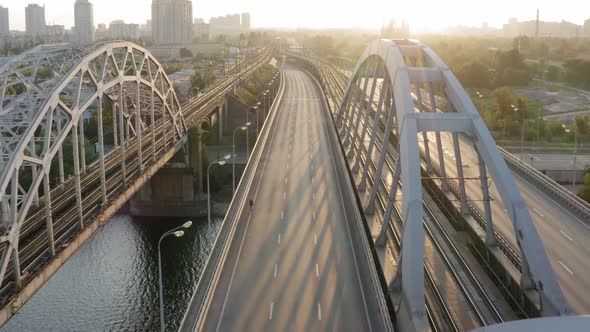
(292, 265)
(565, 236)
(555, 161)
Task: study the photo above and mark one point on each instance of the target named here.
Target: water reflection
(111, 284)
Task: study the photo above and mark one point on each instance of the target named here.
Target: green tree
(553, 73)
(504, 100)
(577, 72)
(555, 127)
(584, 192)
(185, 53)
(474, 75)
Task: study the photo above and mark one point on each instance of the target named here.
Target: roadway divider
(199, 305)
(565, 197)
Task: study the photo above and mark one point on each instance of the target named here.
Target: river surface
(111, 283)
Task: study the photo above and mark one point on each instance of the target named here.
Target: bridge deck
(293, 265)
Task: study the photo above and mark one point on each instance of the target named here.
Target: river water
(111, 283)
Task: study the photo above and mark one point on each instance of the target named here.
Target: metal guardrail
(566, 197)
(212, 270)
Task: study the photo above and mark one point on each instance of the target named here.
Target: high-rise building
(121, 30)
(4, 23)
(587, 28)
(84, 21)
(229, 25)
(246, 22)
(172, 21)
(35, 19)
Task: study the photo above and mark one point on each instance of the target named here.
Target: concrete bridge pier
(176, 190)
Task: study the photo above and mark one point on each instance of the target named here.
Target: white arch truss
(418, 95)
(47, 95)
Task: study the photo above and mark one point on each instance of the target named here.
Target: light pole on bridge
(220, 162)
(243, 128)
(178, 233)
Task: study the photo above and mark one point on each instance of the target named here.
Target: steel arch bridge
(402, 91)
(48, 95)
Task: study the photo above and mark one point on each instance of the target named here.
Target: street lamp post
(178, 233)
(243, 128)
(220, 162)
(263, 111)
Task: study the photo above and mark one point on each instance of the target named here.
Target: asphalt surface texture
(293, 265)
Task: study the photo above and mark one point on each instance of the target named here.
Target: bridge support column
(355, 110)
(342, 111)
(370, 207)
(16, 263)
(356, 165)
(349, 108)
(363, 183)
(462, 193)
(196, 158)
(60, 154)
(48, 214)
(122, 135)
(368, 107)
(82, 145)
(362, 107)
(139, 129)
(483, 178)
(103, 181)
(424, 133)
(220, 120)
(381, 238)
(75, 148)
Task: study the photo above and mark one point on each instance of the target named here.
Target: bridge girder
(46, 96)
(408, 69)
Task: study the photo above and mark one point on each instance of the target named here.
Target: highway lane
(565, 236)
(555, 161)
(292, 265)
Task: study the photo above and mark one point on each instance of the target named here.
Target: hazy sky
(422, 15)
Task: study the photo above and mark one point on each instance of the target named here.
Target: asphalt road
(292, 265)
(565, 236)
(555, 161)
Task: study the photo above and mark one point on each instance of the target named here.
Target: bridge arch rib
(118, 90)
(417, 95)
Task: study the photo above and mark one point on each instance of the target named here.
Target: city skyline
(298, 14)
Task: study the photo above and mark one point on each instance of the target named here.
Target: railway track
(481, 304)
(34, 246)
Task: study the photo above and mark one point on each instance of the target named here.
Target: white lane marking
(312, 180)
(288, 156)
(285, 179)
(231, 279)
(287, 166)
(554, 202)
(315, 239)
(567, 236)
(314, 215)
(319, 311)
(279, 239)
(313, 195)
(565, 267)
(317, 270)
(537, 211)
(284, 195)
(281, 214)
(272, 305)
(276, 267)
